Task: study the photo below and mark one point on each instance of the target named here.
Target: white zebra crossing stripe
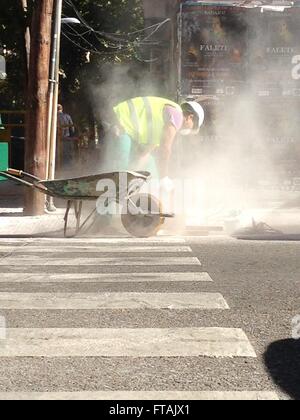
(144, 395)
(104, 278)
(88, 241)
(90, 301)
(122, 261)
(101, 249)
(126, 342)
(114, 342)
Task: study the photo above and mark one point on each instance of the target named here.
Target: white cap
(198, 110)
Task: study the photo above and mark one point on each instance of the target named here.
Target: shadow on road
(52, 235)
(282, 360)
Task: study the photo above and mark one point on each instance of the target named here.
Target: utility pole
(53, 98)
(27, 35)
(36, 126)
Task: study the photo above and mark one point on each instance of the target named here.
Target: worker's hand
(166, 184)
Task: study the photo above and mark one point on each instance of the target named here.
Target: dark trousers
(68, 151)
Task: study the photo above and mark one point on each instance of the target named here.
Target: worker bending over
(144, 132)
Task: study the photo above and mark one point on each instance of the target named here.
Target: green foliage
(12, 27)
(112, 16)
(117, 17)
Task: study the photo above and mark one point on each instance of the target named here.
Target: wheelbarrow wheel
(142, 216)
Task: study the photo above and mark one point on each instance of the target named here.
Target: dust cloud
(239, 167)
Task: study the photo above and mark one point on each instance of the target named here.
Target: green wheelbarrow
(141, 213)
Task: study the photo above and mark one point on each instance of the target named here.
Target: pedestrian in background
(66, 133)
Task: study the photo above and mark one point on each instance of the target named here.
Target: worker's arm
(168, 137)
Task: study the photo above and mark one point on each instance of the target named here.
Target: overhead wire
(111, 41)
(82, 36)
(92, 48)
(155, 28)
(94, 51)
(87, 25)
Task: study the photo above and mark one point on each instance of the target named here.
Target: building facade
(162, 54)
(245, 54)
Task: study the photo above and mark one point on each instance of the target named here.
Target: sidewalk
(11, 195)
(14, 224)
(12, 221)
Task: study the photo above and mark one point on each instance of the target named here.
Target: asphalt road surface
(167, 318)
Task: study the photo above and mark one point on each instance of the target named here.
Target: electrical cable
(112, 36)
(111, 40)
(94, 51)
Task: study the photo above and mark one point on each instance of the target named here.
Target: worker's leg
(152, 167)
(117, 159)
(147, 163)
(118, 153)
(124, 151)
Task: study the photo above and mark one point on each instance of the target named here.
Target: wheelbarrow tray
(77, 190)
(85, 188)
(82, 188)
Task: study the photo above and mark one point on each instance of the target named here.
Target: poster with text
(274, 53)
(213, 50)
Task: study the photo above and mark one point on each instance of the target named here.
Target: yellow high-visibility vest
(142, 118)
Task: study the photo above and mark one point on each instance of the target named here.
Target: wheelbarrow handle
(21, 174)
(14, 172)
